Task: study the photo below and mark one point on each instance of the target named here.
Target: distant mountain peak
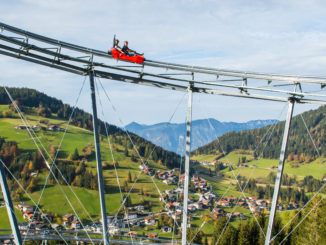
(169, 135)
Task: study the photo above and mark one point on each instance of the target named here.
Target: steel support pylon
(278, 180)
(98, 160)
(9, 206)
(187, 160)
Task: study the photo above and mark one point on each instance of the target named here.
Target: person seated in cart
(116, 46)
(126, 50)
(125, 53)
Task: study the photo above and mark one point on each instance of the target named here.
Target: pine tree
(125, 186)
(129, 178)
(126, 153)
(193, 236)
(75, 155)
(219, 226)
(229, 237)
(244, 233)
(313, 229)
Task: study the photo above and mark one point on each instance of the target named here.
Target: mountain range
(171, 136)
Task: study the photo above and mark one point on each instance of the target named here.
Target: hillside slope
(21, 156)
(49, 107)
(299, 139)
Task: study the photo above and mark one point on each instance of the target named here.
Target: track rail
(173, 66)
(42, 50)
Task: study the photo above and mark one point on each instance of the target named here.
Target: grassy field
(4, 220)
(54, 199)
(262, 167)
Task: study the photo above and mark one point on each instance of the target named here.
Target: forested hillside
(47, 106)
(299, 143)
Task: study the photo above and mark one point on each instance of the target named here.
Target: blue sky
(269, 36)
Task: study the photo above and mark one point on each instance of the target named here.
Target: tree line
(306, 227)
(286, 195)
(299, 143)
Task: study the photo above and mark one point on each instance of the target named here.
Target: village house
(110, 219)
(210, 196)
(67, 219)
(223, 203)
(178, 190)
(149, 171)
(26, 213)
(56, 227)
(140, 208)
(235, 215)
(198, 205)
(231, 199)
(242, 204)
(169, 206)
(23, 226)
(30, 217)
(163, 175)
(255, 210)
(36, 127)
(218, 213)
(25, 207)
(33, 174)
(191, 208)
(75, 225)
(26, 232)
(53, 128)
(261, 204)
(45, 217)
(169, 181)
(23, 127)
(195, 178)
(204, 163)
(166, 229)
(292, 205)
(131, 215)
(40, 227)
(182, 178)
(152, 235)
(176, 215)
(132, 233)
(169, 191)
(97, 228)
(113, 229)
(149, 221)
(206, 203)
(164, 198)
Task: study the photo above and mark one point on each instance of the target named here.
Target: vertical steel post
(187, 159)
(98, 161)
(9, 206)
(278, 180)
